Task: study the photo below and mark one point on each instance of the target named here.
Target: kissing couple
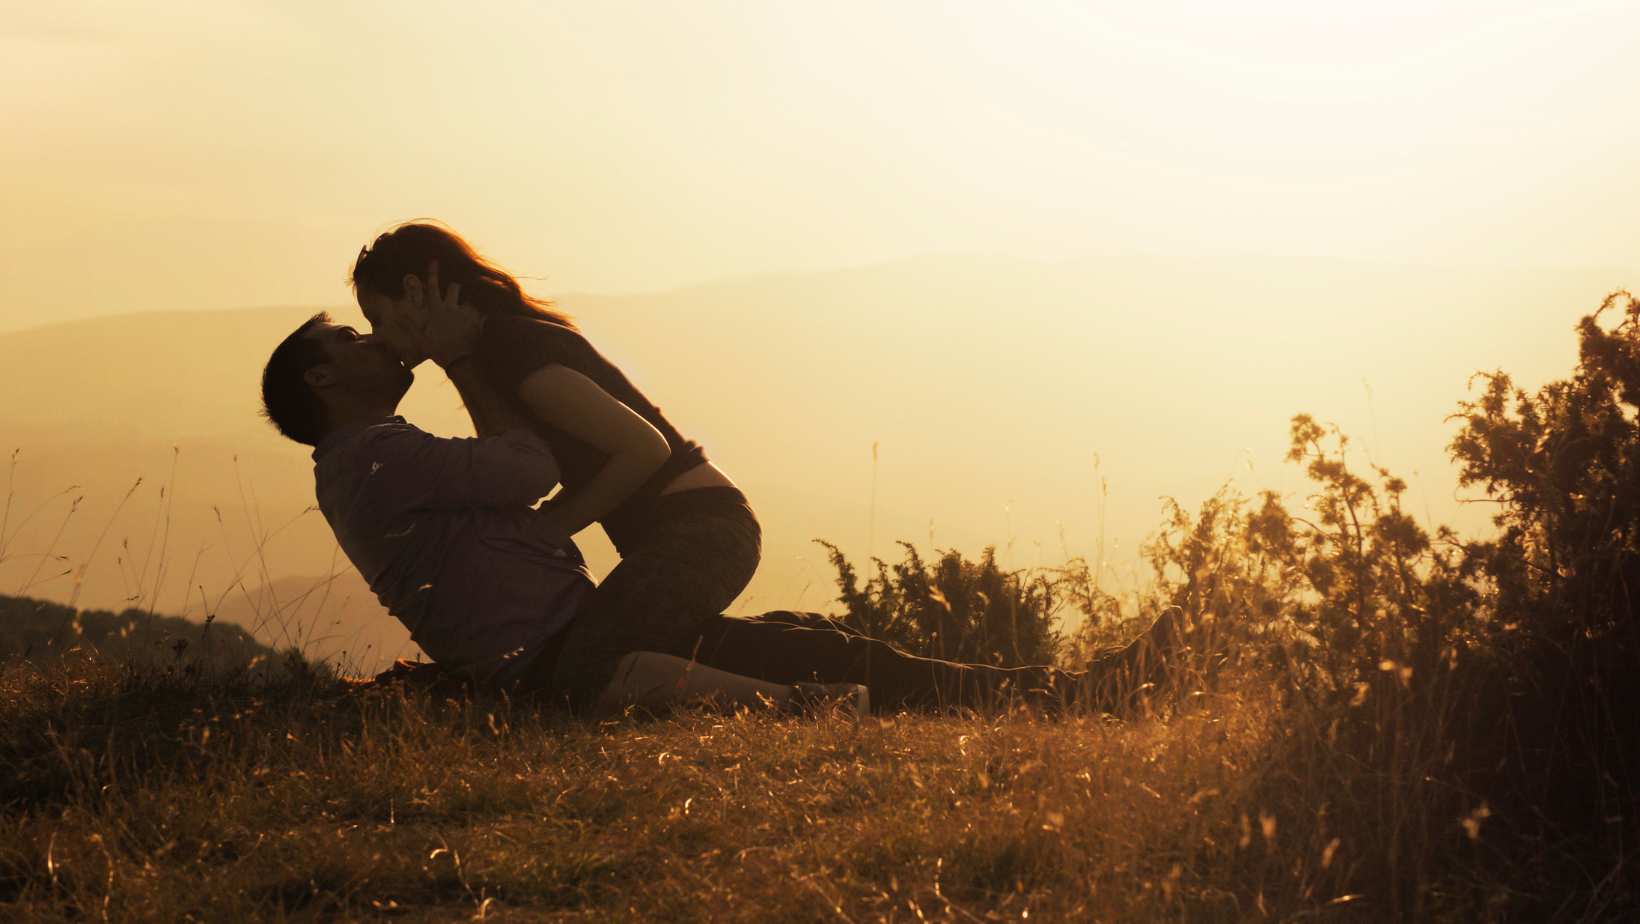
(455, 540)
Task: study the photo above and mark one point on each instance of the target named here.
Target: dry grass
(175, 798)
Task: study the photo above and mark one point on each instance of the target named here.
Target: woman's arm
(575, 404)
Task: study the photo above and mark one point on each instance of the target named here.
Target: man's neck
(345, 417)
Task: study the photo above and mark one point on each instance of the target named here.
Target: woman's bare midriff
(704, 475)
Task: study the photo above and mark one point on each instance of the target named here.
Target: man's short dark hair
(288, 401)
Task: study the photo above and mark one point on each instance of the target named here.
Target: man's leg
(790, 647)
(1117, 679)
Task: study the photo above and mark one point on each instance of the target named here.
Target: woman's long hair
(408, 249)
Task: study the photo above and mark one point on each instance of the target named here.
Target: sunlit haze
(223, 154)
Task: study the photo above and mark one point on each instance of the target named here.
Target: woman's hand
(575, 404)
(450, 329)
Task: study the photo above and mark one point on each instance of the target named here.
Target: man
(443, 531)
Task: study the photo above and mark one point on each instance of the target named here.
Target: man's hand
(450, 331)
(558, 531)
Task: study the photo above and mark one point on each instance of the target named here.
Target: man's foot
(819, 698)
(1117, 677)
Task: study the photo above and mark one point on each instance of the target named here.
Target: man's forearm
(490, 411)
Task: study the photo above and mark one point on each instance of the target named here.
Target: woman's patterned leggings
(689, 567)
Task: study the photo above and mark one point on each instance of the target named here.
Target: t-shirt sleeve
(419, 470)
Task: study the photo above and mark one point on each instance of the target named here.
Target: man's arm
(412, 468)
(507, 444)
(450, 337)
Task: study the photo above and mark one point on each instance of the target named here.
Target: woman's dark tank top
(510, 348)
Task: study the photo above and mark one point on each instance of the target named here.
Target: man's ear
(320, 376)
(412, 290)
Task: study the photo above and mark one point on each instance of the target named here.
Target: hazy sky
(220, 153)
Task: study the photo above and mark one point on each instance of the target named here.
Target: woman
(688, 541)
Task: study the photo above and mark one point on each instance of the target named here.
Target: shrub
(1563, 464)
(954, 609)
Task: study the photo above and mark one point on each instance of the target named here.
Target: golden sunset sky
(223, 153)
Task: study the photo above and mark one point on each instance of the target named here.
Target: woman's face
(394, 323)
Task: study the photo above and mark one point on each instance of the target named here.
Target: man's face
(394, 322)
(362, 365)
